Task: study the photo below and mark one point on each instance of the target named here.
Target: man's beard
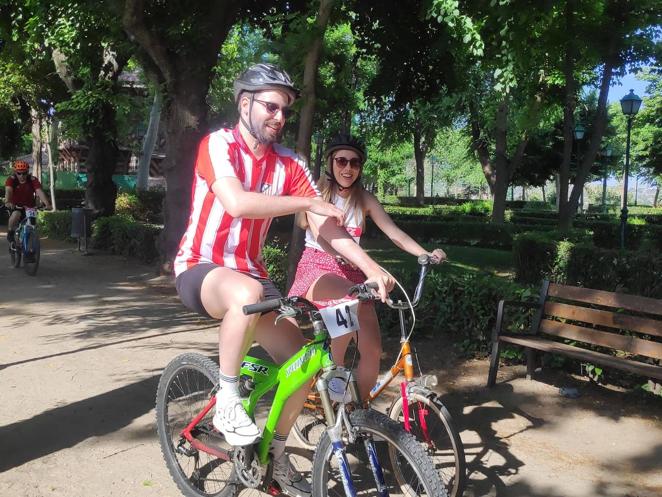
(263, 137)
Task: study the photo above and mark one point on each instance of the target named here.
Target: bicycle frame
(300, 369)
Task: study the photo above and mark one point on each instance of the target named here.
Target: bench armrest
(527, 304)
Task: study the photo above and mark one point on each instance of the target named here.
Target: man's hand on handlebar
(9, 205)
(384, 282)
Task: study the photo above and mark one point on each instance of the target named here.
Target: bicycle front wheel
(184, 390)
(375, 430)
(432, 425)
(16, 252)
(31, 252)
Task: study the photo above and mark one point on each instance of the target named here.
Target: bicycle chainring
(247, 466)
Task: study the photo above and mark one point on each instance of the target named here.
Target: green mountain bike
(354, 456)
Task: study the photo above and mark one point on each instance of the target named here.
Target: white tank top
(353, 224)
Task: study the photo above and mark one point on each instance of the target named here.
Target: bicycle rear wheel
(184, 390)
(32, 252)
(374, 429)
(431, 423)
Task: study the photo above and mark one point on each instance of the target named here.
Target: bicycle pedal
(273, 489)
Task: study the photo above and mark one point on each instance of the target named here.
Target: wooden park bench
(625, 329)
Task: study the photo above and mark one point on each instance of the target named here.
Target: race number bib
(342, 318)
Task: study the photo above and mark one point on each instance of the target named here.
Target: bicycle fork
(335, 431)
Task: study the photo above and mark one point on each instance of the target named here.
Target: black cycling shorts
(189, 287)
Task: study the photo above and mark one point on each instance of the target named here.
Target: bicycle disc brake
(248, 469)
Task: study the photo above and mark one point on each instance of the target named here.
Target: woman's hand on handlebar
(384, 282)
(437, 256)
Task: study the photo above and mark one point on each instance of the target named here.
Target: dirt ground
(82, 345)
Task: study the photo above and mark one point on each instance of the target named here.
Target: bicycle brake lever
(286, 312)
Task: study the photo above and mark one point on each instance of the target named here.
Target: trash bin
(81, 222)
(81, 226)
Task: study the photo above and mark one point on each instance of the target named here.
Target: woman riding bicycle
(21, 190)
(323, 275)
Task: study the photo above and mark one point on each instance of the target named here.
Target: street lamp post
(432, 161)
(409, 180)
(630, 104)
(579, 132)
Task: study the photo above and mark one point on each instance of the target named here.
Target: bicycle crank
(247, 465)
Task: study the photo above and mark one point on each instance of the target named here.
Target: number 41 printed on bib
(342, 318)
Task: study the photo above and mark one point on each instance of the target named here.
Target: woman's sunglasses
(354, 162)
(273, 108)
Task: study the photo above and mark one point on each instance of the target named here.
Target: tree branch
(133, 21)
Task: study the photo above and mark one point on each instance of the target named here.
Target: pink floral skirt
(315, 263)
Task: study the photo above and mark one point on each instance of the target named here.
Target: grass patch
(460, 259)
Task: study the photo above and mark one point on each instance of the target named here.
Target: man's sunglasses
(355, 162)
(273, 108)
(21, 174)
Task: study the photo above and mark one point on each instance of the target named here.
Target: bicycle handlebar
(260, 307)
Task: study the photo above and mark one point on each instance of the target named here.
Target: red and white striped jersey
(215, 236)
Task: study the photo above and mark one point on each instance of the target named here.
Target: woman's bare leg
(331, 286)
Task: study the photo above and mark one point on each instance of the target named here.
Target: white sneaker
(290, 481)
(233, 422)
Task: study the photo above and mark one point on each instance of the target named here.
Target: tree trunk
(149, 141)
(184, 75)
(319, 154)
(36, 143)
(184, 112)
(502, 173)
(544, 197)
(306, 125)
(52, 144)
(657, 195)
(419, 156)
(101, 161)
(480, 146)
(604, 191)
(568, 112)
(599, 125)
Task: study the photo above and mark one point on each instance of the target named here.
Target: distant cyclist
(21, 190)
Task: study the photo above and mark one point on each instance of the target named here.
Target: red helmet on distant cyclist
(20, 166)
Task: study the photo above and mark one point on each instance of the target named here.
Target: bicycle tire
(387, 435)
(310, 424)
(32, 252)
(17, 252)
(442, 444)
(184, 389)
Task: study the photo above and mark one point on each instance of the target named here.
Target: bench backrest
(601, 318)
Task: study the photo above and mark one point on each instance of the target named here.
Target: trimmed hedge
(576, 262)
(126, 236)
(55, 225)
(141, 206)
(463, 306)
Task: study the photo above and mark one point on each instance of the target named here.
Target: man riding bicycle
(21, 190)
(242, 179)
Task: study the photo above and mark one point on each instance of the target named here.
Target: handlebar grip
(362, 288)
(424, 259)
(266, 306)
